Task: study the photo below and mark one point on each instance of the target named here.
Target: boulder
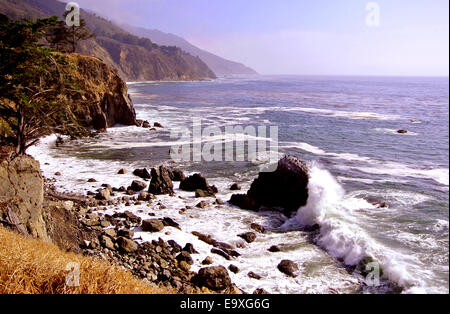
(186, 257)
(107, 242)
(203, 193)
(254, 276)
(197, 182)
(158, 125)
(244, 201)
(142, 173)
(214, 278)
(402, 131)
(258, 228)
(249, 237)
(146, 125)
(122, 171)
(127, 245)
(91, 180)
(233, 268)
(161, 182)
(137, 186)
(190, 248)
(126, 233)
(288, 267)
(202, 205)
(152, 225)
(274, 249)
(176, 175)
(286, 187)
(235, 187)
(260, 291)
(169, 222)
(103, 195)
(145, 197)
(207, 261)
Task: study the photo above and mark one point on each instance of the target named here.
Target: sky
(303, 37)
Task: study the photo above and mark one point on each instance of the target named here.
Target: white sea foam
(343, 236)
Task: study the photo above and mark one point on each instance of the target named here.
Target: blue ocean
(344, 128)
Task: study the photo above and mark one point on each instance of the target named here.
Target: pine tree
(65, 38)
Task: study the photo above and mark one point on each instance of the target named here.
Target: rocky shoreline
(80, 223)
(159, 262)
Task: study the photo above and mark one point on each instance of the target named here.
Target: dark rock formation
(235, 187)
(286, 188)
(152, 225)
(142, 173)
(198, 182)
(258, 228)
(244, 201)
(161, 182)
(249, 237)
(176, 175)
(288, 267)
(214, 278)
(137, 186)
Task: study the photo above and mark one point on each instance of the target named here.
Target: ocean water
(344, 128)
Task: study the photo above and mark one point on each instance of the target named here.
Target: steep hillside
(134, 58)
(220, 66)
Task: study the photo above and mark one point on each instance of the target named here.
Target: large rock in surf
(286, 187)
(142, 173)
(161, 182)
(197, 182)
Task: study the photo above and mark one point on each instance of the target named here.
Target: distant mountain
(220, 66)
(136, 59)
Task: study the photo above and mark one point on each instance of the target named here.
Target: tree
(30, 79)
(64, 38)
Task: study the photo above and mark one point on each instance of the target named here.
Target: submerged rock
(402, 131)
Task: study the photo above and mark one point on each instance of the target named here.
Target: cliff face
(133, 58)
(103, 100)
(21, 196)
(135, 63)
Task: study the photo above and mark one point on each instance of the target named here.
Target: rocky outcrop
(198, 184)
(161, 182)
(22, 196)
(103, 100)
(285, 188)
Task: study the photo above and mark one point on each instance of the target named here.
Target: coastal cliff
(103, 99)
(135, 58)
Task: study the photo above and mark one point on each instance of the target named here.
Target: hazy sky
(303, 36)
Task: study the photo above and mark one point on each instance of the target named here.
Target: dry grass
(29, 266)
